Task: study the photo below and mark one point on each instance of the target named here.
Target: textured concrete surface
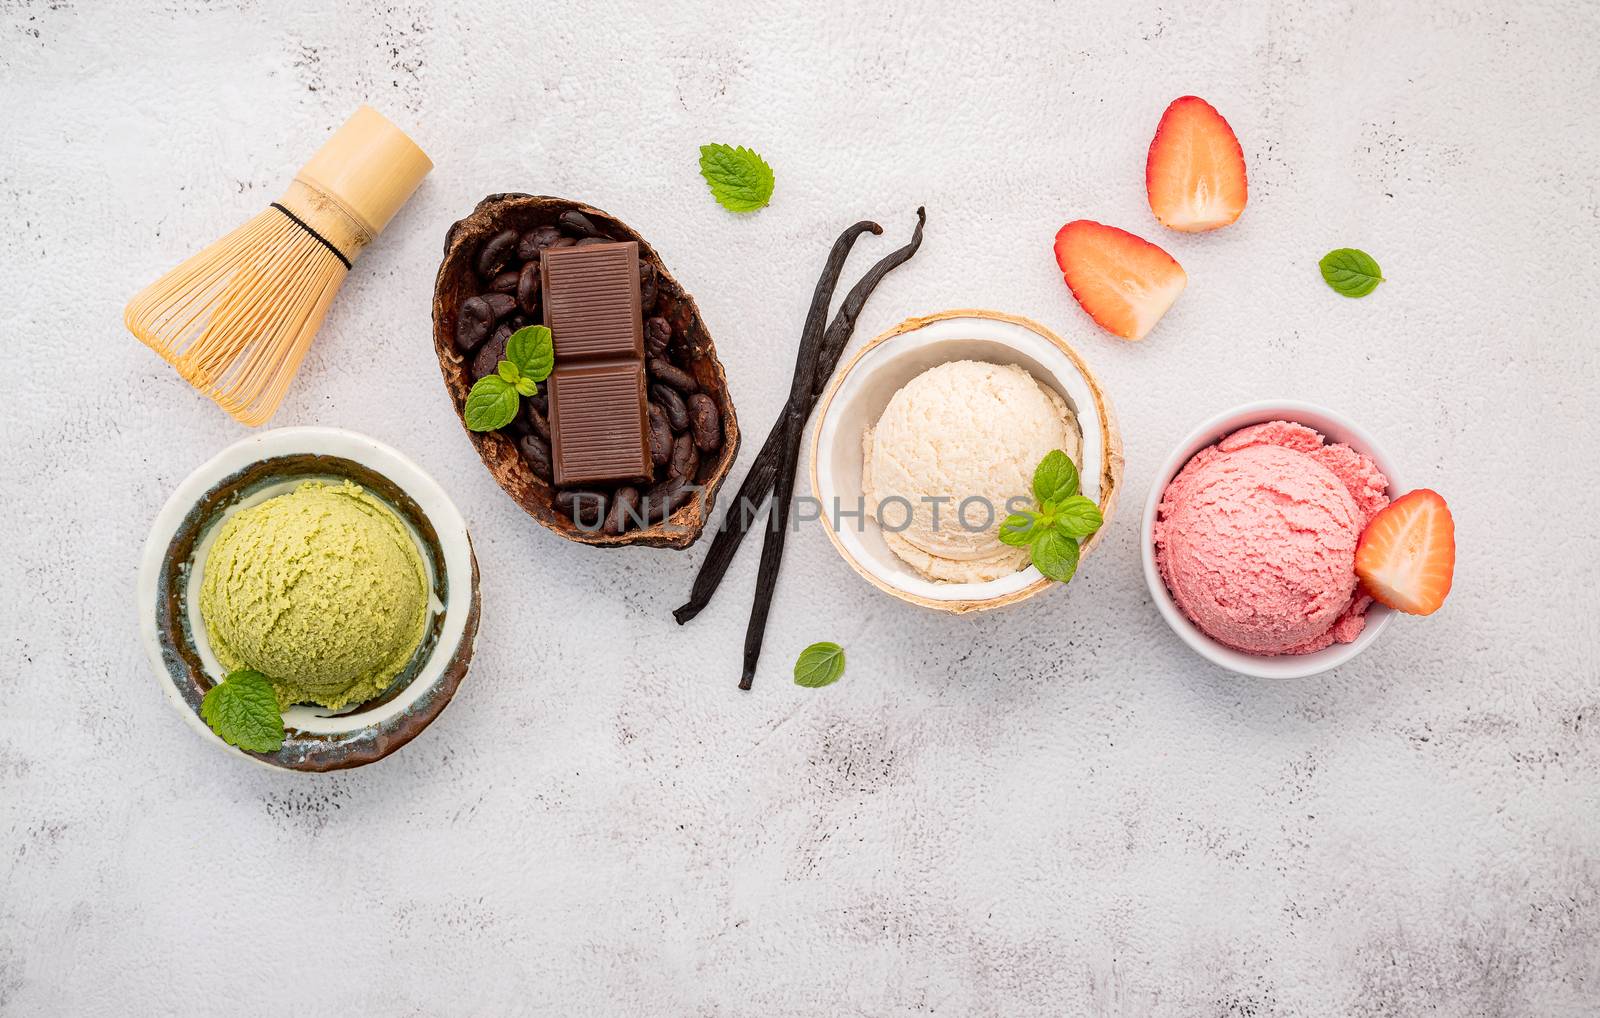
(1053, 810)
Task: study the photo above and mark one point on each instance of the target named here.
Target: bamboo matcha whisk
(237, 318)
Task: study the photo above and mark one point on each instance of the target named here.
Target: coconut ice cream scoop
(952, 448)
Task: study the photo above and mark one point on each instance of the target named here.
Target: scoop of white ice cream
(962, 430)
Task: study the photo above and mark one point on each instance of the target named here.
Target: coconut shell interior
(1110, 488)
(458, 281)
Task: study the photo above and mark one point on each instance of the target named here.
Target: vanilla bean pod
(803, 394)
(753, 489)
(758, 482)
(772, 547)
(844, 323)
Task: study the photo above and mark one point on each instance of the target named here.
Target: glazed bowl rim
(346, 739)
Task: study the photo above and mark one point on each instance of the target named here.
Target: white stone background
(1056, 809)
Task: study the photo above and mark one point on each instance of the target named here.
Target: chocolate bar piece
(591, 301)
(598, 421)
(600, 431)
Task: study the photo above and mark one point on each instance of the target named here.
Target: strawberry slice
(1195, 172)
(1407, 555)
(1125, 282)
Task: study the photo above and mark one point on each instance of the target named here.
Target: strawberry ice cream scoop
(1256, 539)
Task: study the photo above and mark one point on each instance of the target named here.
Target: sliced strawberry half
(1195, 172)
(1407, 555)
(1125, 282)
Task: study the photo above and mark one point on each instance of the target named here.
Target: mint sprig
(740, 180)
(243, 710)
(1350, 271)
(819, 665)
(1064, 518)
(495, 399)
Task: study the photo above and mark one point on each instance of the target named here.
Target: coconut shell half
(458, 280)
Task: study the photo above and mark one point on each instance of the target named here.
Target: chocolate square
(591, 301)
(599, 428)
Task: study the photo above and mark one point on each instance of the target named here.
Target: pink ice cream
(1256, 539)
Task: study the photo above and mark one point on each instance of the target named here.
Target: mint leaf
(819, 665)
(1055, 478)
(1078, 517)
(508, 371)
(527, 386)
(1350, 271)
(1055, 555)
(243, 710)
(491, 404)
(740, 180)
(1019, 529)
(533, 351)
(1051, 535)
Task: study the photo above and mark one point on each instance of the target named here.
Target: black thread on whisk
(307, 227)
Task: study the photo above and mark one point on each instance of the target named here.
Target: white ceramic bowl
(1335, 428)
(862, 388)
(272, 463)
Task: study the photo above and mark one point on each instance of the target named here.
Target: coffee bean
(473, 320)
(587, 508)
(528, 288)
(705, 422)
(505, 282)
(495, 306)
(535, 419)
(663, 370)
(537, 452)
(576, 223)
(490, 354)
(624, 510)
(540, 401)
(672, 403)
(496, 251)
(660, 436)
(647, 286)
(500, 304)
(685, 459)
(563, 242)
(657, 334)
(589, 241)
(536, 240)
(666, 498)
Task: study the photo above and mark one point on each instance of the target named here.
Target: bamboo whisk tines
(237, 319)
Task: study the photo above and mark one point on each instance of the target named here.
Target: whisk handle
(347, 193)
